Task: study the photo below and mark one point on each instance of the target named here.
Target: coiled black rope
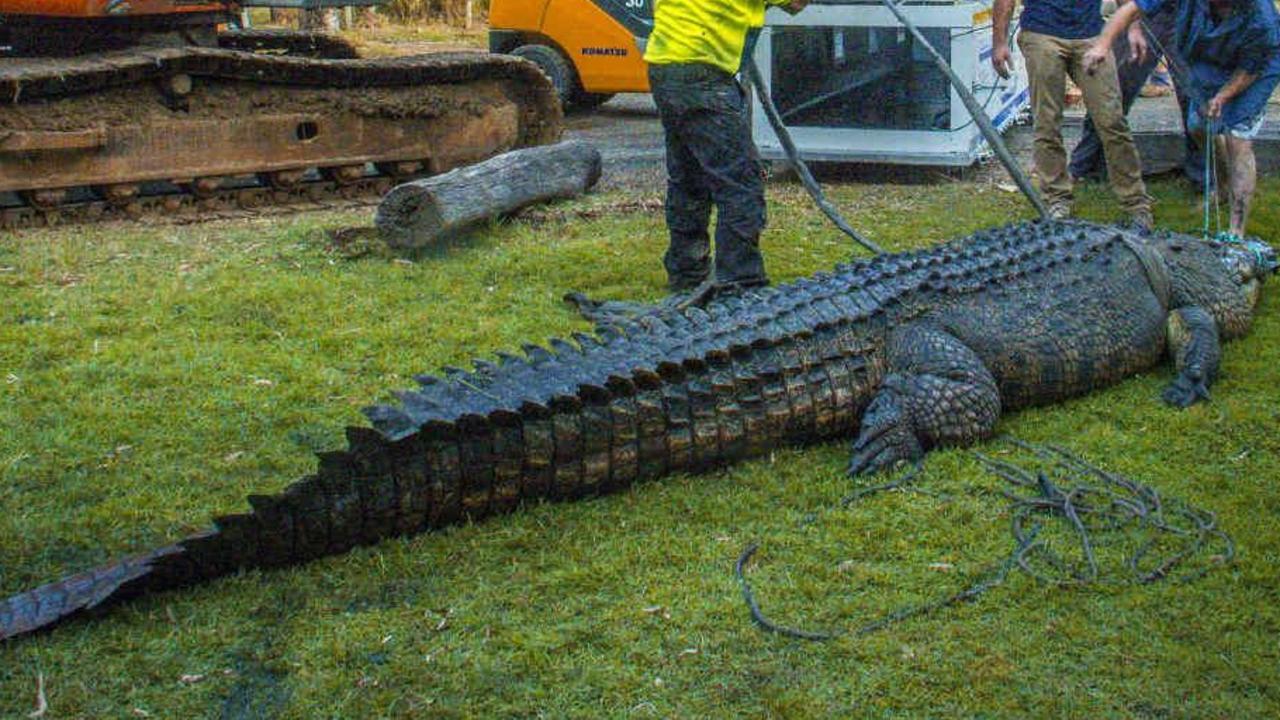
(989, 579)
(1099, 507)
(1104, 502)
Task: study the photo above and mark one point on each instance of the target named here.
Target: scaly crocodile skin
(906, 351)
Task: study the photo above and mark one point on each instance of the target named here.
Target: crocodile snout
(1266, 257)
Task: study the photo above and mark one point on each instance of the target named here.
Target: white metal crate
(853, 86)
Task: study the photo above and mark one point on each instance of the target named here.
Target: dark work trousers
(1086, 159)
(710, 160)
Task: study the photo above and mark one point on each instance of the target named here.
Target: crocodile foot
(1185, 391)
(886, 439)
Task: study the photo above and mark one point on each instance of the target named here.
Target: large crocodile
(907, 352)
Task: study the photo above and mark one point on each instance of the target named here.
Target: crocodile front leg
(937, 393)
(1197, 352)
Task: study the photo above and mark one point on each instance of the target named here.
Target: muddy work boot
(1060, 210)
(681, 283)
(1142, 221)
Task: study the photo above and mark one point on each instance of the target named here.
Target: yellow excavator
(120, 108)
(590, 49)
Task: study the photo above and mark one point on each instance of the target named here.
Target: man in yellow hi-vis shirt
(695, 51)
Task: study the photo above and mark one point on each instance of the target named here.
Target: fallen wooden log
(424, 212)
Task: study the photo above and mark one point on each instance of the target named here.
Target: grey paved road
(629, 135)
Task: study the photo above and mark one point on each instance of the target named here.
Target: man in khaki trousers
(1055, 35)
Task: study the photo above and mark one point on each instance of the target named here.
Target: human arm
(1239, 82)
(1101, 48)
(1253, 54)
(1138, 45)
(1001, 58)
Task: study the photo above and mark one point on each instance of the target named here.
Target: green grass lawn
(150, 378)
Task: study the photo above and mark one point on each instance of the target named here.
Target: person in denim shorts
(1233, 49)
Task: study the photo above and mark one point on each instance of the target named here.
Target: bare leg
(1244, 180)
(1220, 181)
(1222, 168)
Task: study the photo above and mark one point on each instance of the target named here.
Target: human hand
(1138, 45)
(1213, 110)
(1095, 56)
(1001, 59)
(796, 6)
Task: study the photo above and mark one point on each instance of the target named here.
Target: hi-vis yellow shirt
(704, 31)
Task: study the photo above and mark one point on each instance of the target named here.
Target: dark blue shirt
(1066, 19)
(1248, 39)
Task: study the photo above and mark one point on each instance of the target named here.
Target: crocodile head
(1249, 259)
(1248, 264)
(1225, 278)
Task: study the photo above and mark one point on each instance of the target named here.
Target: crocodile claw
(883, 448)
(1184, 392)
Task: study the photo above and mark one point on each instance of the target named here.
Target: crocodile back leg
(937, 393)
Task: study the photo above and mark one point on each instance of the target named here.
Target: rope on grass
(1100, 508)
(609, 312)
(989, 579)
(1114, 508)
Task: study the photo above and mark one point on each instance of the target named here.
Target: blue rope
(1223, 236)
(1208, 165)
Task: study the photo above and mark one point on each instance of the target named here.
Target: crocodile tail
(443, 473)
(319, 515)
(594, 440)
(686, 392)
(50, 603)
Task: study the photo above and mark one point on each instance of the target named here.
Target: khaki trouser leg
(1101, 91)
(1047, 58)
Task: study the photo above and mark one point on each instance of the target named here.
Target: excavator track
(289, 42)
(181, 208)
(190, 132)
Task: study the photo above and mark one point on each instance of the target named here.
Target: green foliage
(152, 377)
